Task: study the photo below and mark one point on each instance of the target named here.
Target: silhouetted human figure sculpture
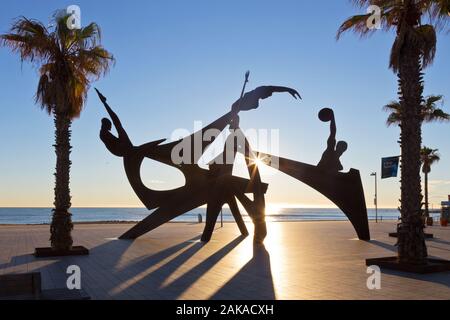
(222, 171)
(343, 189)
(331, 157)
(121, 145)
(117, 146)
(213, 187)
(222, 168)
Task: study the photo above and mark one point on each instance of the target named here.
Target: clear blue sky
(181, 61)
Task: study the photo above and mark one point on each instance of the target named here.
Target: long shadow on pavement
(253, 281)
(153, 281)
(383, 245)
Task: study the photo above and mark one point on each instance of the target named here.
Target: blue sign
(389, 167)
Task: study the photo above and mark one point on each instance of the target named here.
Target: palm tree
(428, 157)
(429, 111)
(414, 48)
(69, 60)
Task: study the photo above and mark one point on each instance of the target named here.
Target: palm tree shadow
(442, 278)
(383, 245)
(253, 282)
(107, 256)
(17, 261)
(436, 240)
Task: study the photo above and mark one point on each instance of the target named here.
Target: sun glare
(273, 210)
(262, 161)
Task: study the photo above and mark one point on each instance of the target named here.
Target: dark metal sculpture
(343, 189)
(330, 161)
(217, 186)
(213, 187)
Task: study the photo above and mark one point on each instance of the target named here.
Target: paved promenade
(301, 260)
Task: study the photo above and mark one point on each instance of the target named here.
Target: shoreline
(90, 216)
(176, 222)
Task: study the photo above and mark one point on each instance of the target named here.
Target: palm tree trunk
(427, 212)
(411, 239)
(61, 227)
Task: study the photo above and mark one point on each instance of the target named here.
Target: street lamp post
(374, 174)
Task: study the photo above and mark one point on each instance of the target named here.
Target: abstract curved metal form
(343, 189)
(213, 187)
(217, 186)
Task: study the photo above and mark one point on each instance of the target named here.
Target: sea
(43, 215)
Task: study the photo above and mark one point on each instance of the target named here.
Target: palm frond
(70, 60)
(406, 17)
(30, 39)
(428, 157)
(393, 119)
(436, 115)
(426, 40)
(358, 24)
(429, 111)
(431, 100)
(394, 113)
(396, 50)
(438, 12)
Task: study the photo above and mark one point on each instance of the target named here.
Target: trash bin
(200, 218)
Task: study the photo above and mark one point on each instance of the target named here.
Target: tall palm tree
(414, 48)
(430, 112)
(69, 60)
(428, 157)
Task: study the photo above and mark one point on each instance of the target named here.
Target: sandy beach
(301, 260)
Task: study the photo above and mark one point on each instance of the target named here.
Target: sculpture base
(393, 263)
(49, 252)
(427, 235)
